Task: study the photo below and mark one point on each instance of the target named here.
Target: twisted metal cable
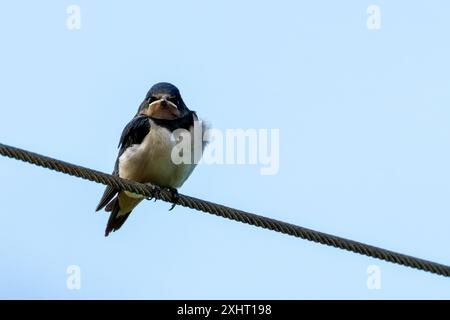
(152, 191)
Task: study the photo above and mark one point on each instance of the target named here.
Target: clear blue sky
(364, 119)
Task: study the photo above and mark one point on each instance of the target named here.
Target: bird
(145, 149)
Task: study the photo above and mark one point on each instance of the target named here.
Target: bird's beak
(163, 109)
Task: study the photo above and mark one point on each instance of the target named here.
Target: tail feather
(116, 218)
(108, 195)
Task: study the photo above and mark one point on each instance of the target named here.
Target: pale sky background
(364, 119)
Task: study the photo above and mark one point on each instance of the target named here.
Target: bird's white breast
(151, 160)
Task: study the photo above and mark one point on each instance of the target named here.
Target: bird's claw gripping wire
(174, 197)
(156, 192)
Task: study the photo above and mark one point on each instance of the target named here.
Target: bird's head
(163, 101)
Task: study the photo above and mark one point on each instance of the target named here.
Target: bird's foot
(174, 197)
(173, 194)
(155, 190)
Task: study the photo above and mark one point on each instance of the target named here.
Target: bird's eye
(152, 99)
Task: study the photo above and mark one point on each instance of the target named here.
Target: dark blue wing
(133, 133)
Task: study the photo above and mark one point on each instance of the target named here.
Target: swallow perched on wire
(145, 151)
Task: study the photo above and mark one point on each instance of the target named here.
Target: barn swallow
(145, 149)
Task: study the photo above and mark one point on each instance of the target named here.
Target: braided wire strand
(152, 191)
